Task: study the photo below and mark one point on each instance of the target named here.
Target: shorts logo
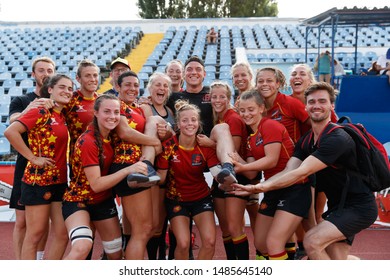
(263, 206)
(207, 205)
(196, 160)
(176, 209)
(281, 203)
(81, 205)
(47, 195)
(112, 210)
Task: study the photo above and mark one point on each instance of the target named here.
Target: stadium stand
(149, 46)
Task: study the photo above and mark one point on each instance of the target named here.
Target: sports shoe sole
(142, 181)
(225, 178)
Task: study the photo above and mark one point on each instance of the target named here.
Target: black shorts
(14, 201)
(97, 212)
(354, 217)
(189, 209)
(122, 189)
(218, 193)
(39, 195)
(295, 200)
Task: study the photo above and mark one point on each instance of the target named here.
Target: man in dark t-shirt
(42, 67)
(319, 152)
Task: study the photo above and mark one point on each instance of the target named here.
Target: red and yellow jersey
(268, 132)
(237, 127)
(126, 152)
(290, 112)
(79, 114)
(47, 137)
(86, 154)
(185, 178)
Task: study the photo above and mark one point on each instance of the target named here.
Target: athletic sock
(40, 255)
(229, 247)
(241, 247)
(261, 256)
(281, 256)
(125, 241)
(152, 246)
(172, 245)
(291, 250)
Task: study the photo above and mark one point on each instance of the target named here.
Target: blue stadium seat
(9, 83)
(15, 91)
(5, 76)
(26, 83)
(5, 146)
(20, 76)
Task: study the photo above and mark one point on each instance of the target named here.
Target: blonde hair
(182, 105)
(229, 93)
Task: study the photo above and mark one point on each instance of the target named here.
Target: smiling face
(88, 79)
(251, 112)
(300, 80)
(129, 89)
(159, 90)
(188, 122)
(219, 100)
(194, 75)
(175, 72)
(319, 106)
(62, 91)
(242, 78)
(108, 115)
(267, 84)
(42, 69)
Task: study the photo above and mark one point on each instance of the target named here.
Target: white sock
(40, 255)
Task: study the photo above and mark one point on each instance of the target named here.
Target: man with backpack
(330, 154)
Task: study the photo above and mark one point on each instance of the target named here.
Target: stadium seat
(26, 83)
(9, 83)
(5, 147)
(15, 91)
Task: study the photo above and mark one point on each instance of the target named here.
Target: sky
(97, 10)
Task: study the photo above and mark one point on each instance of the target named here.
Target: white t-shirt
(383, 62)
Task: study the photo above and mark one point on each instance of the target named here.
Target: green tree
(206, 8)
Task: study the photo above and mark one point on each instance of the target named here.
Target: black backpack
(372, 159)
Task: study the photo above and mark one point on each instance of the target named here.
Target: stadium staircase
(138, 55)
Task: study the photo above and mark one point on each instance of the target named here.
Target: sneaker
(226, 177)
(138, 180)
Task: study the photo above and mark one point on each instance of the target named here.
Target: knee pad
(112, 246)
(81, 232)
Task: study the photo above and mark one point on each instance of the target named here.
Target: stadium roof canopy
(355, 17)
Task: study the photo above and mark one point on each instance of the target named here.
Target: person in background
(118, 66)
(212, 36)
(42, 67)
(374, 70)
(323, 65)
(384, 63)
(45, 176)
(175, 71)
